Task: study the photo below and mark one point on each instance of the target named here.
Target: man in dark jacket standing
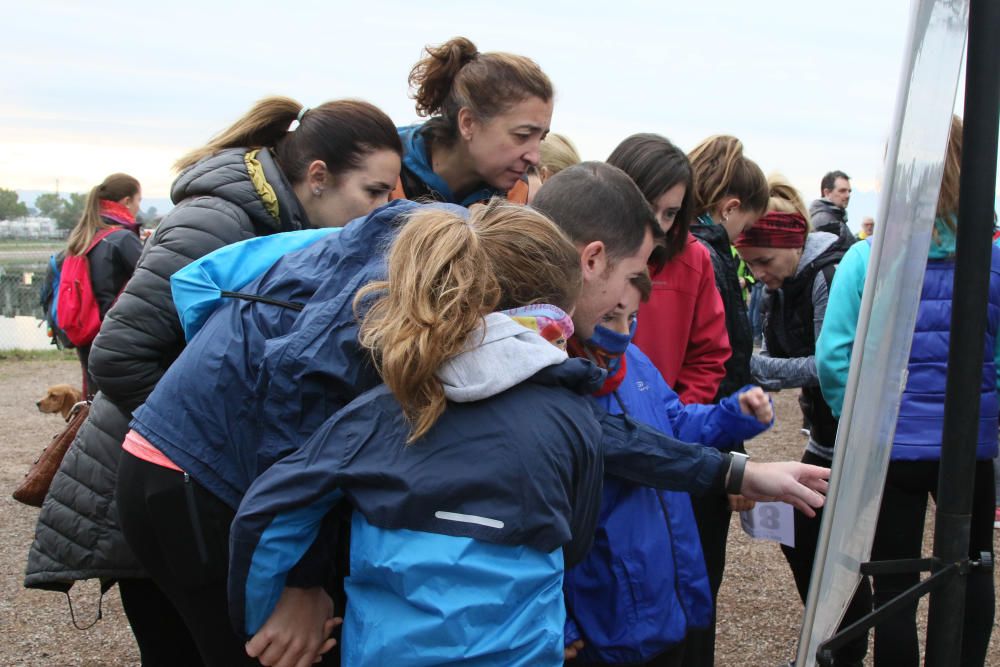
(829, 212)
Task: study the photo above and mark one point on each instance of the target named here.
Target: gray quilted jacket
(77, 535)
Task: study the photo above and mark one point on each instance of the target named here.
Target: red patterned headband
(775, 230)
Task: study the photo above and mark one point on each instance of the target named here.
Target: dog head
(59, 398)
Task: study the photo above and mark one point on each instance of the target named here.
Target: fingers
(572, 650)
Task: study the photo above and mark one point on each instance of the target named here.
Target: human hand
(756, 403)
(572, 650)
(740, 503)
(298, 631)
(798, 484)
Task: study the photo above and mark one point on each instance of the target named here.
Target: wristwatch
(737, 466)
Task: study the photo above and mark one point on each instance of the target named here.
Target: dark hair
(644, 284)
(656, 165)
(594, 201)
(455, 75)
(340, 133)
(113, 188)
(721, 170)
(830, 180)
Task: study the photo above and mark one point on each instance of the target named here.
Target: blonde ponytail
(444, 274)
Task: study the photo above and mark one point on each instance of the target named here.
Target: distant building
(31, 228)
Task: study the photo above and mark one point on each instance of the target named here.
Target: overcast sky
(93, 88)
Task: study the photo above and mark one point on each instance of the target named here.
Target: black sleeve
(141, 335)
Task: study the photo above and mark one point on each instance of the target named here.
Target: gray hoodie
(501, 355)
(773, 373)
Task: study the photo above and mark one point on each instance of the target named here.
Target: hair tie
(298, 119)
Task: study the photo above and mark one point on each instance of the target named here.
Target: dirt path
(759, 610)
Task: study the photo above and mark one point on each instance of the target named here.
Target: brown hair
(340, 133)
(644, 284)
(721, 171)
(456, 75)
(656, 165)
(114, 188)
(503, 257)
(947, 205)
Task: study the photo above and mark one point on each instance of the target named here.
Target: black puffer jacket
(715, 239)
(221, 200)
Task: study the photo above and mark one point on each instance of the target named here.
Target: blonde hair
(784, 198)
(503, 257)
(721, 170)
(557, 153)
(947, 205)
(114, 188)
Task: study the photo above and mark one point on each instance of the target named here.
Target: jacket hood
(816, 244)
(827, 211)
(250, 179)
(417, 160)
(504, 356)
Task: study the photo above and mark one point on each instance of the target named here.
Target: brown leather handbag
(36, 482)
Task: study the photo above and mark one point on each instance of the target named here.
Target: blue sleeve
(278, 522)
(642, 455)
(722, 425)
(836, 340)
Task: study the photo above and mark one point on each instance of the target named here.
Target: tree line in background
(65, 211)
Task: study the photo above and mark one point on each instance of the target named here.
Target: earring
(318, 192)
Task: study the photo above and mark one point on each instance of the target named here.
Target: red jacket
(682, 328)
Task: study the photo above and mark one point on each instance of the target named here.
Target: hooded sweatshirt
(459, 537)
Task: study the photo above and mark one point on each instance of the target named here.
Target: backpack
(49, 300)
(77, 313)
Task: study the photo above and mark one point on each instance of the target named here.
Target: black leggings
(801, 559)
(900, 534)
(180, 534)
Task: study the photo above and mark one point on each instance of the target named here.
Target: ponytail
(721, 171)
(456, 75)
(784, 198)
(503, 257)
(114, 188)
(428, 310)
(339, 133)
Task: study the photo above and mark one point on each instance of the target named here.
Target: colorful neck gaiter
(549, 321)
(120, 214)
(606, 348)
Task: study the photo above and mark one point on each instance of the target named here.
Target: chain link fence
(22, 326)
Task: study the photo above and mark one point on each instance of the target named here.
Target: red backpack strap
(101, 235)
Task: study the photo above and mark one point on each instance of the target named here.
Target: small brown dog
(59, 398)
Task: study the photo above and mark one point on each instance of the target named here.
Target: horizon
(806, 90)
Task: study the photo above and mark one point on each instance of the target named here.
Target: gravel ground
(759, 611)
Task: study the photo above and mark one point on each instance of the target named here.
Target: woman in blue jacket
(488, 114)
(916, 447)
(643, 584)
